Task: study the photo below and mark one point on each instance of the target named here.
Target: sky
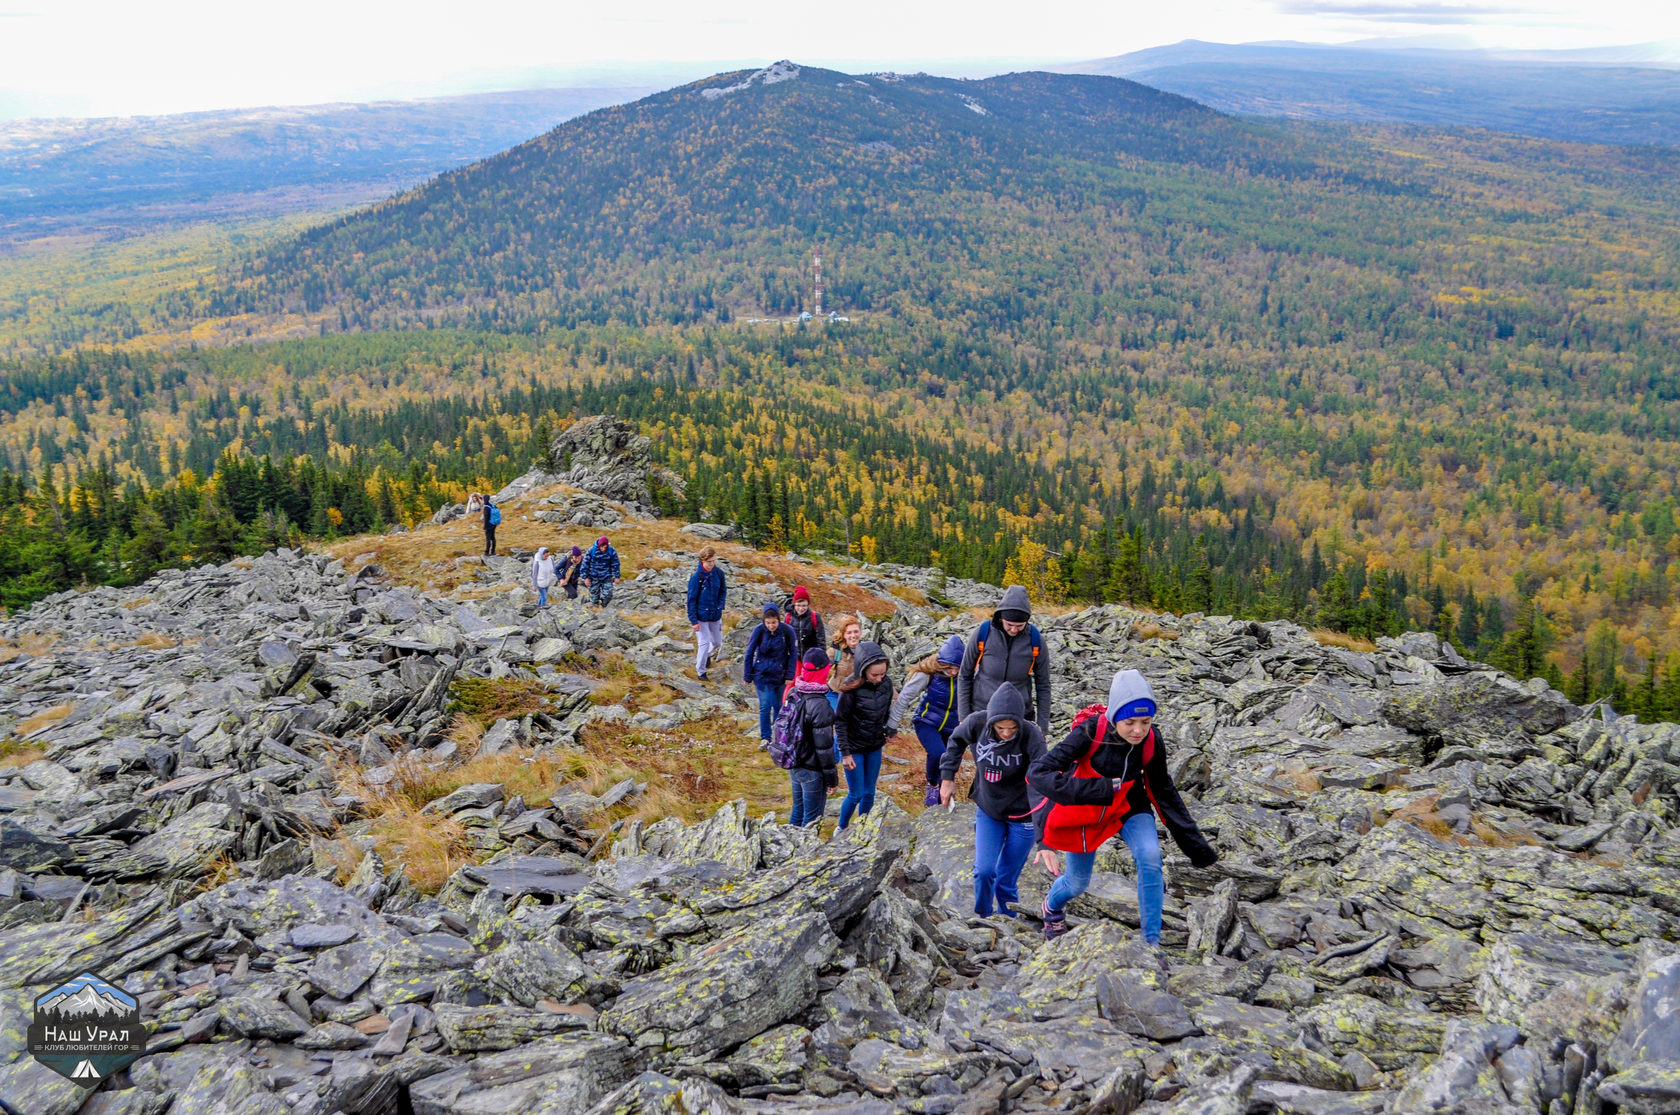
(123, 58)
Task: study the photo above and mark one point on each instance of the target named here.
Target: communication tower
(816, 270)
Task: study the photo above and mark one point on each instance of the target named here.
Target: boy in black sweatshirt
(1005, 745)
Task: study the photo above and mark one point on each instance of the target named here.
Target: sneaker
(932, 796)
(764, 745)
(701, 676)
(1055, 922)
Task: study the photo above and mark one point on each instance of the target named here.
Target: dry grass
(430, 558)
(340, 851)
(152, 641)
(45, 719)
(223, 869)
(488, 700)
(428, 848)
(910, 594)
(26, 646)
(1143, 632)
(1327, 638)
(15, 753)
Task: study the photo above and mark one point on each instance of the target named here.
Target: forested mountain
(1367, 377)
(1557, 95)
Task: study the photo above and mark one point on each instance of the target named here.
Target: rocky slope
(1441, 889)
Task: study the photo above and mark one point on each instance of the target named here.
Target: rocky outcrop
(1440, 888)
(602, 456)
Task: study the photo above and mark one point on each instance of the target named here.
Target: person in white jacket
(543, 575)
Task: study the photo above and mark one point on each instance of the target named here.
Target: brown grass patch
(16, 753)
(1327, 638)
(223, 869)
(342, 853)
(428, 557)
(428, 848)
(488, 700)
(910, 594)
(635, 695)
(30, 646)
(152, 641)
(40, 720)
(1143, 632)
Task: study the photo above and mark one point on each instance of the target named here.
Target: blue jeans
(808, 797)
(860, 786)
(1001, 849)
(542, 597)
(769, 704)
(934, 744)
(1140, 836)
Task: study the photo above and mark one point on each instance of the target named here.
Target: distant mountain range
(1628, 95)
(127, 173)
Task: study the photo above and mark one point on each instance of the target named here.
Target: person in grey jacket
(1007, 649)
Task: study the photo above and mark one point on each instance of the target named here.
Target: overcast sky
(131, 57)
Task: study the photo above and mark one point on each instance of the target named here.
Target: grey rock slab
(653, 1093)
(498, 1026)
(560, 1075)
(529, 971)
(1552, 988)
(1465, 1076)
(513, 877)
(344, 970)
(252, 1016)
(1065, 975)
(25, 1084)
(1128, 1000)
(1651, 1029)
(1298, 1099)
(414, 967)
(321, 936)
(729, 992)
(1647, 1088)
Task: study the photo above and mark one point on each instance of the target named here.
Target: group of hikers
(829, 708)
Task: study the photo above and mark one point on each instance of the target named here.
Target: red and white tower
(816, 270)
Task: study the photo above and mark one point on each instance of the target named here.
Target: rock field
(1441, 889)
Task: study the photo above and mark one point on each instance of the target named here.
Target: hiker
(1006, 745)
(772, 659)
(860, 728)
(812, 773)
(1101, 780)
(492, 520)
(570, 572)
(706, 593)
(600, 572)
(543, 576)
(1007, 648)
(848, 635)
(807, 624)
(932, 683)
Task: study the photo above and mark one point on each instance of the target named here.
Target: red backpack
(1083, 828)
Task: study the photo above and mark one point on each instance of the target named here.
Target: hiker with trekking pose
(1108, 777)
(1007, 650)
(802, 740)
(570, 569)
(931, 690)
(848, 634)
(707, 592)
(860, 728)
(1005, 745)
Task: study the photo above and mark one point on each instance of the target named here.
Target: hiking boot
(701, 676)
(1161, 960)
(932, 796)
(1055, 922)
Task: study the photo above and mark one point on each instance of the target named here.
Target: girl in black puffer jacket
(860, 728)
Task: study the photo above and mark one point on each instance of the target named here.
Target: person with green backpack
(1109, 778)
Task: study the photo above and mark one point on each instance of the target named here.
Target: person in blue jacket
(706, 594)
(772, 661)
(601, 572)
(932, 692)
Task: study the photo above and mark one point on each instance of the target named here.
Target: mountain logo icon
(87, 1029)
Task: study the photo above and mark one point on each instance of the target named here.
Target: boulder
(550, 1076)
(726, 993)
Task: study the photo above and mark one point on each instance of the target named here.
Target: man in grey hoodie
(1007, 649)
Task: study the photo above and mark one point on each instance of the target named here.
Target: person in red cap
(807, 625)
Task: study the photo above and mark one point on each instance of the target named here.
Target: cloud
(1431, 12)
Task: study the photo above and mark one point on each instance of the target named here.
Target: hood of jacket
(1014, 600)
(1006, 704)
(542, 552)
(866, 655)
(1127, 686)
